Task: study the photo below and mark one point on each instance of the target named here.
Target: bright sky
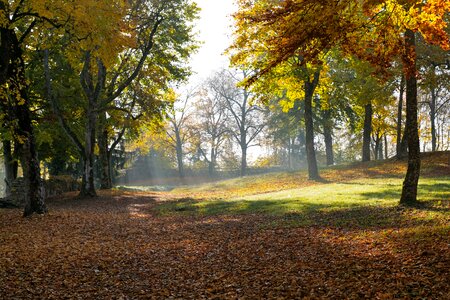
(214, 29)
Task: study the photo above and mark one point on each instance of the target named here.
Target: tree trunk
(12, 74)
(409, 191)
(367, 132)
(28, 158)
(399, 152)
(92, 90)
(88, 182)
(244, 159)
(212, 163)
(104, 156)
(386, 152)
(310, 86)
(104, 161)
(380, 148)
(289, 153)
(376, 147)
(9, 163)
(433, 119)
(179, 153)
(328, 136)
(404, 144)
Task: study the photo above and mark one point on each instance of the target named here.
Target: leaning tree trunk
(367, 132)
(313, 171)
(409, 191)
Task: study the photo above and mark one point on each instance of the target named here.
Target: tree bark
(367, 132)
(92, 91)
(399, 152)
(380, 148)
(328, 136)
(433, 119)
(104, 155)
(179, 153)
(310, 86)
(12, 73)
(409, 191)
(386, 149)
(10, 166)
(212, 163)
(88, 182)
(244, 160)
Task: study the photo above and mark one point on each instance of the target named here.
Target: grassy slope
(363, 195)
(433, 165)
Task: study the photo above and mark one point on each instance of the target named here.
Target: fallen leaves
(100, 249)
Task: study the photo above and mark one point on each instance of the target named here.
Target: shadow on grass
(366, 210)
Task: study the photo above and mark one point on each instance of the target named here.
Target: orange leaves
(94, 249)
(431, 22)
(268, 34)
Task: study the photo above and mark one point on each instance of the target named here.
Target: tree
(434, 63)
(376, 31)
(246, 123)
(211, 126)
(179, 117)
(24, 26)
(161, 43)
(285, 132)
(15, 27)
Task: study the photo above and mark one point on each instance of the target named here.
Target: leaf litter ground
(119, 246)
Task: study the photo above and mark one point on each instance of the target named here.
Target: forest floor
(272, 236)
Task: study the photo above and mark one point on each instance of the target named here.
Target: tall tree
(161, 42)
(179, 117)
(246, 123)
(211, 127)
(269, 34)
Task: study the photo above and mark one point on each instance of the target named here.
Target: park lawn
(263, 237)
(363, 203)
(433, 165)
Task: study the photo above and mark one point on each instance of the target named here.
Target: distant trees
(178, 127)
(245, 118)
(212, 120)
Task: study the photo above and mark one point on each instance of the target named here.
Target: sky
(215, 30)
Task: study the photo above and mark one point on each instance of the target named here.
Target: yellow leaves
(271, 32)
(431, 23)
(4, 21)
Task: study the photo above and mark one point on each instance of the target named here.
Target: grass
(364, 202)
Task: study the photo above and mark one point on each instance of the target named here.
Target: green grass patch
(358, 203)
